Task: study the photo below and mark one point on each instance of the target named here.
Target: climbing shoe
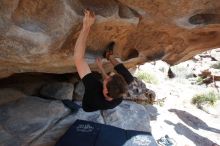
(108, 50)
(166, 141)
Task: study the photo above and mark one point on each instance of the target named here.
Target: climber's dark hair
(117, 86)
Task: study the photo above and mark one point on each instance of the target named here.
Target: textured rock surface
(26, 119)
(38, 36)
(79, 91)
(7, 95)
(58, 90)
(50, 137)
(138, 92)
(38, 122)
(128, 115)
(33, 121)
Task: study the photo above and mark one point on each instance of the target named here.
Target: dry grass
(210, 98)
(147, 77)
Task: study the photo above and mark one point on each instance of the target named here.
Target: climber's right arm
(79, 50)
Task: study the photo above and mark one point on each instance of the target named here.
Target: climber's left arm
(99, 64)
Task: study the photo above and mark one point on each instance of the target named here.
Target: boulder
(153, 113)
(28, 83)
(58, 90)
(128, 115)
(138, 92)
(38, 122)
(79, 91)
(8, 95)
(50, 137)
(39, 36)
(24, 120)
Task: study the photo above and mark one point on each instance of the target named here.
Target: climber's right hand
(88, 19)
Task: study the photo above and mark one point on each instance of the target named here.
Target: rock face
(24, 120)
(128, 115)
(58, 91)
(34, 121)
(34, 115)
(38, 35)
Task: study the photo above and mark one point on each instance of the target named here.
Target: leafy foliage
(147, 77)
(199, 80)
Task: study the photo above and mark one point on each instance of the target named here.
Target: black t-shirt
(93, 98)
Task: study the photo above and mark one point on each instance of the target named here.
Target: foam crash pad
(85, 133)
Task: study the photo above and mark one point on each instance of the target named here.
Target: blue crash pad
(85, 133)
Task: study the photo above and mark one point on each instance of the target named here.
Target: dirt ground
(176, 116)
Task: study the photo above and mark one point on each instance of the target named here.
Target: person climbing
(99, 95)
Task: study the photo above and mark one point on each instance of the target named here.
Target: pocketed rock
(58, 90)
(25, 119)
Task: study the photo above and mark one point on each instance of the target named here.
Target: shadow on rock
(193, 121)
(188, 133)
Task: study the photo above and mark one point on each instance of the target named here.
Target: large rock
(79, 91)
(50, 137)
(128, 115)
(24, 120)
(8, 95)
(38, 35)
(28, 83)
(58, 90)
(38, 122)
(138, 92)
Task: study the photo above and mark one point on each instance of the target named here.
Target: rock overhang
(39, 36)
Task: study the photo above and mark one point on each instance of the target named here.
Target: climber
(98, 95)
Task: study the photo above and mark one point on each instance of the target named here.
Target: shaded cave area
(99, 7)
(205, 19)
(31, 83)
(44, 85)
(130, 54)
